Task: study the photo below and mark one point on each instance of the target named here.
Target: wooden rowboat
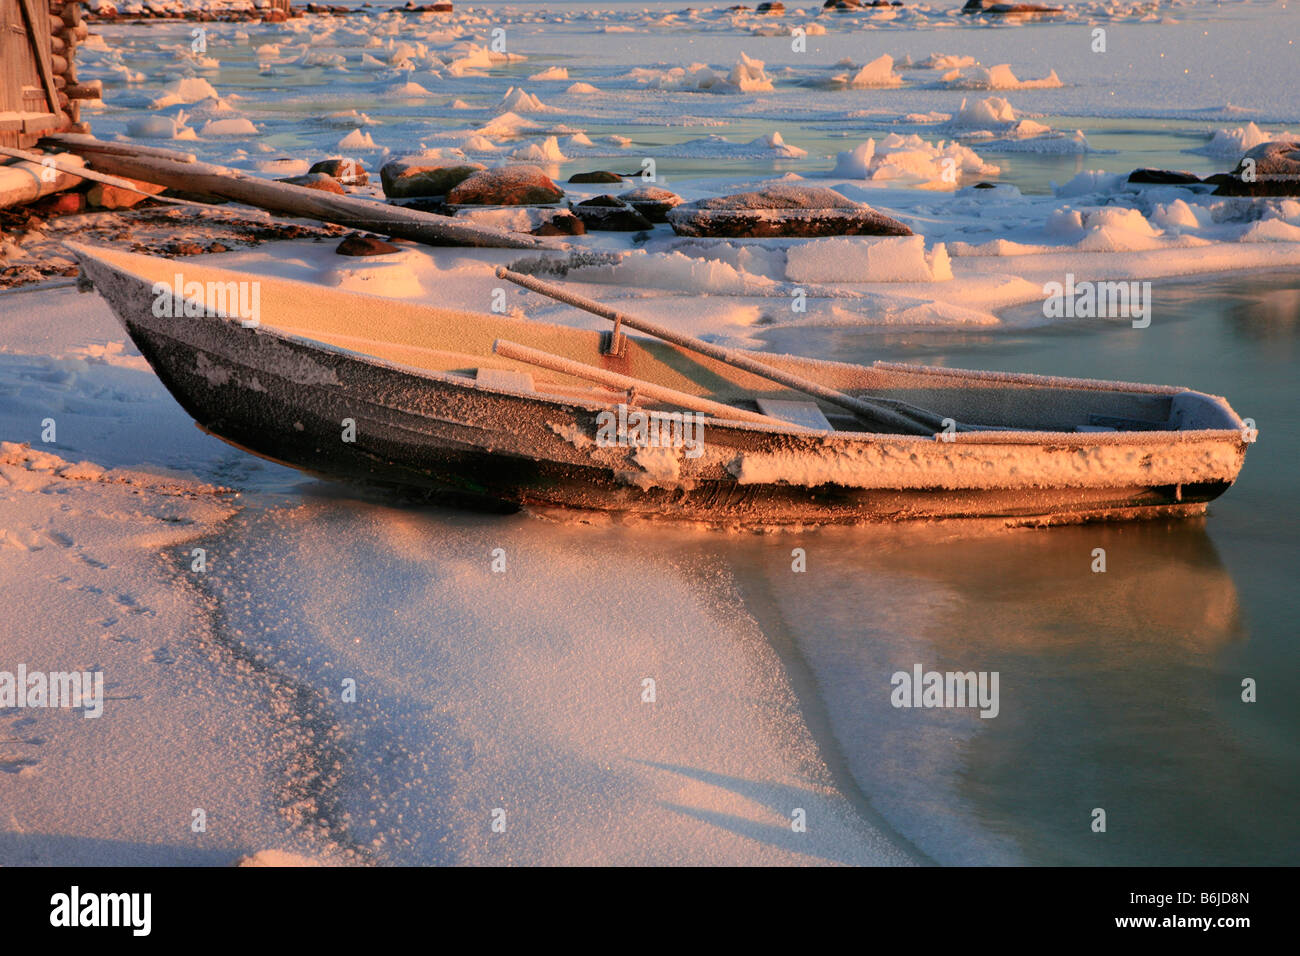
(361, 388)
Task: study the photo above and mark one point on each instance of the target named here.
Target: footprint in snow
(18, 765)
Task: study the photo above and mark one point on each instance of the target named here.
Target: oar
(887, 413)
(660, 393)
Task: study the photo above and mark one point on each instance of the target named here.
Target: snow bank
(188, 89)
(991, 111)
(911, 158)
(357, 139)
(998, 77)
(518, 100)
(545, 151)
(769, 146)
(235, 126)
(747, 76)
(865, 259)
(878, 73)
(552, 73)
(1231, 143)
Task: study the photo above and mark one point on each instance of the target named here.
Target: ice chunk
(861, 259)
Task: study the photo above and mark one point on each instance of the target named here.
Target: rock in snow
(408, 180)
(610, 214)
(596, 176)
(1163, 177)
(561, 224)
(321, 181)
(652, 202)
(356, 244)
(1269, 169)
(349, 172)
(782, 210)
(506, 186)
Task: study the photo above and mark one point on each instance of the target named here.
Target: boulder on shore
(403, 179)
(610, 214)
(356, 244)
(561, 224)
(521, 185)
(651, 201)
(104, 196)
(349, 172)
(1163, 177)
(1269, 169)
(326, 184)
(596, 176)
(782, 211)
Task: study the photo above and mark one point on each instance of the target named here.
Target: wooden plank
(77, 143)
(37, 21)
(34, 123)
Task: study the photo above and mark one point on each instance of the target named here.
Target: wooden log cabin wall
(39, 91)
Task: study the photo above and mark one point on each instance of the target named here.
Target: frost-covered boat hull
(346, 416)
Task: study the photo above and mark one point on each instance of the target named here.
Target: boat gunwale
(990, 437)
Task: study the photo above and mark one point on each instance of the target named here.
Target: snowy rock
(1163, 177)
(355, 244)
(349, 172)
(610, 214)
(521, 185)
(782, 210)
(561, 224)
(652, 202)
(1269, 169)
(105, 196)
(326, 184)
(405, 180)
(596, 176)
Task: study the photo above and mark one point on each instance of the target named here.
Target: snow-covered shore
(522, 691)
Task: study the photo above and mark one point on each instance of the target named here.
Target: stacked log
(67, 29)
